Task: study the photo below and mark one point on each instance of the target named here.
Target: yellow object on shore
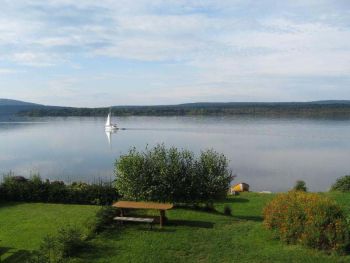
(241, 187)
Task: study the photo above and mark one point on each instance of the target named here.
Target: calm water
(269, 154)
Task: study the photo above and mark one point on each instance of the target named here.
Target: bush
(169, 175)
(104, 219)
(16, 188)
(309, 219)
(342, 184)
(67, 243)
(227, 210)
(300, 186)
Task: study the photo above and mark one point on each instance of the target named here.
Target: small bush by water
(300, 186)
(171, 175)
(309, 219)
(342, 184)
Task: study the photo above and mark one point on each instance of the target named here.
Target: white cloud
(223, 43)
(136, 30)
(7, 71)
(36, 59)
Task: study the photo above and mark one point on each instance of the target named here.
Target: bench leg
(121, 214)
(161, 218)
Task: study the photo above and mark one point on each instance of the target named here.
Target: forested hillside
(312, 109)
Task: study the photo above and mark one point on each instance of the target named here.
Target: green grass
(196, 236)
(189, 236)
(24, 225)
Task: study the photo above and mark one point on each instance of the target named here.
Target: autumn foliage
(308, 219)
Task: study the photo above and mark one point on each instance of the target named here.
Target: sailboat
(110, 126)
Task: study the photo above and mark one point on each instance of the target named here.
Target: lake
(269, 154)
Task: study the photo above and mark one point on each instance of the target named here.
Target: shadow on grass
(200, 209)
(237, 200)
(15, 256)
(160, 230)
(191, 223)
(250, 218)
(144, 227)
(4, 204)
(4, 250)
(94, 249)
(98, 251)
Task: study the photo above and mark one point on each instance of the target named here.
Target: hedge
(17, 188)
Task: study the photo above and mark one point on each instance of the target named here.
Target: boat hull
(111, 128)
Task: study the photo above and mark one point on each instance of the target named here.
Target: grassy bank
(190, 236)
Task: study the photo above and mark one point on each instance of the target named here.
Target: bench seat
(134, 219)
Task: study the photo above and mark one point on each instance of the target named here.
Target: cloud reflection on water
(269, 154)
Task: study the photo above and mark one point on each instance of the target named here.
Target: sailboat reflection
(109, 136)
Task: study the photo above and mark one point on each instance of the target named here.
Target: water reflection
(269, 154)
(109, 137)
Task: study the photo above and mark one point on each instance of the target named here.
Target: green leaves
(171, 175)
(342, 184)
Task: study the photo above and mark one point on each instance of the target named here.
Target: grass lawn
(23, 225)
(189, 236)
(194, 236)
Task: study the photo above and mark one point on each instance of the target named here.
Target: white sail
(109, 125)
(108, 122)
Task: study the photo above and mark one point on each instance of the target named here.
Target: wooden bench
(161, 207)
(135, 219)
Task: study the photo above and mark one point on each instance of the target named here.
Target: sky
(144, 52)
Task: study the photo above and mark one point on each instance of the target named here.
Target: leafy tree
(170, 175)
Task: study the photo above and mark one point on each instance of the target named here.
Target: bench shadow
(160, 230)
(169, 222)
(190, 223)
(249, 218)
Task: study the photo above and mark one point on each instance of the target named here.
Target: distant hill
(228, 104)
(8, 102)
(322, 109)
(10, 108)
(316, 109)
(331, 102)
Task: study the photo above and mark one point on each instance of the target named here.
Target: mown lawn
(190, 236)
(24, 225)
(195, 236)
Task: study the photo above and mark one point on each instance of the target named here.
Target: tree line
(335, 110)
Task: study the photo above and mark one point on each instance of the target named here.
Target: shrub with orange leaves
(308, 219)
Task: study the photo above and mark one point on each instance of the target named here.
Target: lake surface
(268, 154)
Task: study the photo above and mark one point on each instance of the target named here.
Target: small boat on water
(109, 125)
